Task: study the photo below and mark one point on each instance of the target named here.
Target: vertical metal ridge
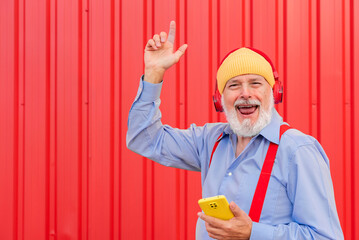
(23, 123)
(276, 42)
(112, 116)
(185, 18)
(87, 116)
(16, 121)
(318, 72)
(352, 119)
(55, 122)
(145, 161)
(251, 23)
(218, 42)
(79, 115)
(178, 121)
(152, 168)
(344, 117)
(47, 124)
(276, 34)
(120, 120)
(285, 59)
(310, 67)
(178, 64)
(151, 163)
(243, 23)
(178, 200)
(210, 59)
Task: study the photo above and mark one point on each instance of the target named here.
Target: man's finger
(156, 38)
(172, 32)
(179, 53)
(213, 232)
(151, 44)
(235, 209)
(163, 36)
(214, 222)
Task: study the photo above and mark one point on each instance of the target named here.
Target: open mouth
(247, 109)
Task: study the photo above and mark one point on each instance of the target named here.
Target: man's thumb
(235, 209)
(179, 53)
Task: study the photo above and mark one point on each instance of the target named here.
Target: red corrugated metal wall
(69, 71)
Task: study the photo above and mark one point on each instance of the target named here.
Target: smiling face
(248, 102)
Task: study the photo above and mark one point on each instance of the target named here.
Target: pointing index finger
(172, 32)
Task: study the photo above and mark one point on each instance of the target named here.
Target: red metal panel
(68, 123)
(348, 144)
(331, 92)
(165, 178)
(133, 168)
(100, 192)
(117, 116)
(354, 115)
(36, 122)
(297, 77)
(197, 91)
(231, 27)
(69, 71)
(9, 107)
(263, 26)
(188, 189)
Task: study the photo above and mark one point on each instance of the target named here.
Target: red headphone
(277, 87)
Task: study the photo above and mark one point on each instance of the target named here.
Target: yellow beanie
(243, 61)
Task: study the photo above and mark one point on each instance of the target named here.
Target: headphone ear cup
(217, 100)
(278, 92)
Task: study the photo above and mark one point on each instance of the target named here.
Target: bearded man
(233, 158)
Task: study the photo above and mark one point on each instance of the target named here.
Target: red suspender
(214, 149)
(262, 185)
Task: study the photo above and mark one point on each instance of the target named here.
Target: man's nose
(245, 92)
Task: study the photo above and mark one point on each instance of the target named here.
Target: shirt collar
(270, 132)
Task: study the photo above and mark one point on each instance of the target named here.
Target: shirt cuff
(262, 231)
(150, 91)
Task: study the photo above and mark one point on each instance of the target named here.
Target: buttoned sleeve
(147, 136)
(310, 189)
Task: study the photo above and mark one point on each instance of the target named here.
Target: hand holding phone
(217, 207)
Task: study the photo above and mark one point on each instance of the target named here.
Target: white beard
(246, 128)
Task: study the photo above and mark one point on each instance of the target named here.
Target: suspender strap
(262, 185)
(214, 149)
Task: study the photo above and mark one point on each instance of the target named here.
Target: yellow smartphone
(216, 206)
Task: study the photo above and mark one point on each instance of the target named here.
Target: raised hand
(159, 54)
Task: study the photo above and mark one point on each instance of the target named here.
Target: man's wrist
(153, 75)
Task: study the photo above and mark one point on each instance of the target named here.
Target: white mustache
(246, 102)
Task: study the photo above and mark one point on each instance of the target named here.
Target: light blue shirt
(299, 203)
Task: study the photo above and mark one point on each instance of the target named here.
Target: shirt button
(229, 174)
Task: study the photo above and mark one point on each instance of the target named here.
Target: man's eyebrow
(233, 80)
(256, 79)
